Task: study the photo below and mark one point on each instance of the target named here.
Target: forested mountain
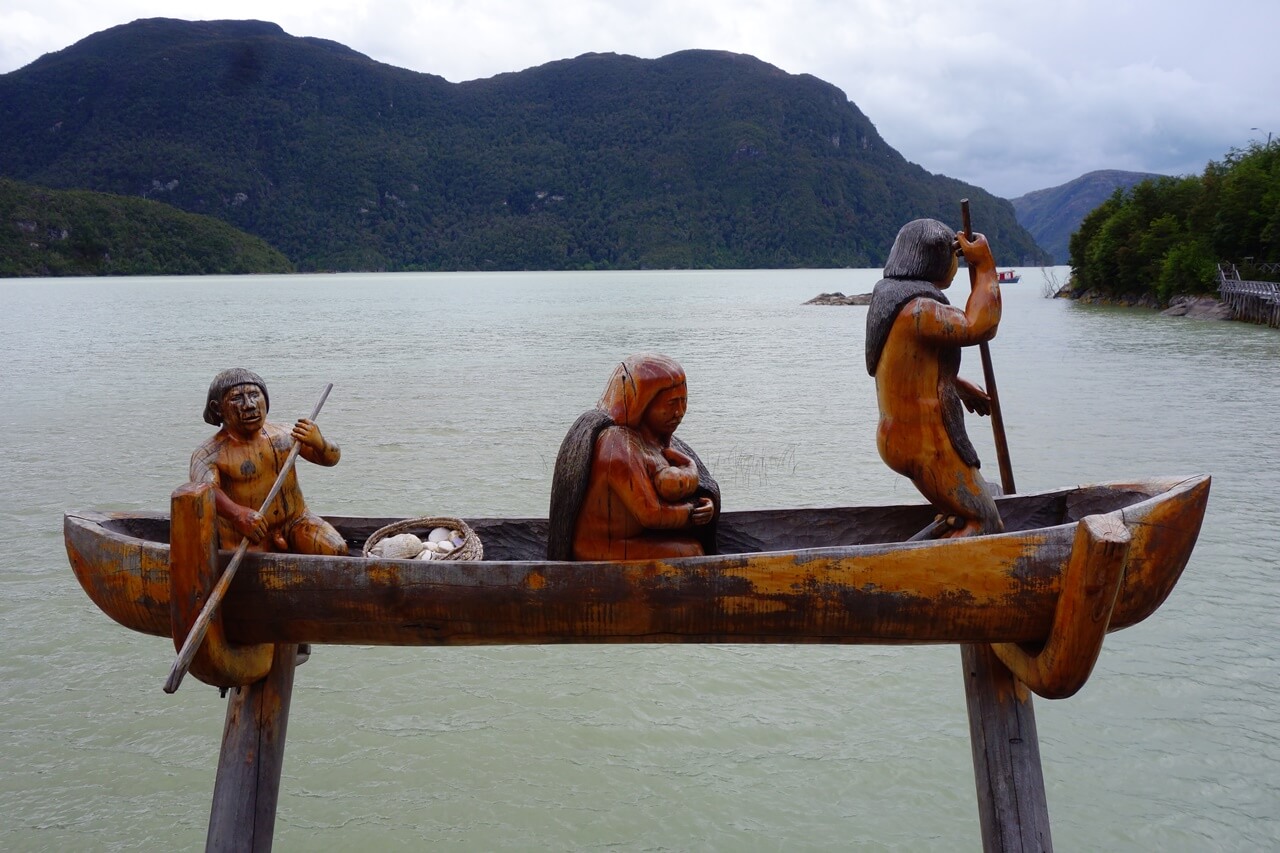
(697, 159)
(1166, 236)
(1052, 215)
(76, 232)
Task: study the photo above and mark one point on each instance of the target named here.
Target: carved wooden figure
(913, 342)
(624, 487)
(242, 461)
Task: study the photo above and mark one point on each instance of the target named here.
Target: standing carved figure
(242, 460)
(625, 487)
(914, 336)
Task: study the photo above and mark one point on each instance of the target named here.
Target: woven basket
(470, 549)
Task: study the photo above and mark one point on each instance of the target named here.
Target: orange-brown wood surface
(250, 464)
(127, 578)
(1061, 666)
(623, 488)
(918, 389)
(1002, 588)
(193, 571)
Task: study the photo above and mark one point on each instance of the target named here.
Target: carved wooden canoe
(843, 575)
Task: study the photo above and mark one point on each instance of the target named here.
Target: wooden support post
(1012, 806)
(243, 816)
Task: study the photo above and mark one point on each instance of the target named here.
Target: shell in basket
(427, 538)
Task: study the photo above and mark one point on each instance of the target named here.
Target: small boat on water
(1089, 559)
(1008, 277)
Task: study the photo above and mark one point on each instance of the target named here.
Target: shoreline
(1200, 307)
(1195, 307)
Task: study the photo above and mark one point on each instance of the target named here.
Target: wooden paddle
(201, 626)
(989, 377)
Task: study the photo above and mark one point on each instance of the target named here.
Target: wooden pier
(1252, 301)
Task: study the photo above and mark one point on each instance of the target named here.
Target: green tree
(1164, 237)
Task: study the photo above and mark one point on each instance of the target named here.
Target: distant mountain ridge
(1052, 215)
(697, 159)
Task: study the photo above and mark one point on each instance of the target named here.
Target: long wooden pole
(1013, 809)
(201, 626)
(989, 377)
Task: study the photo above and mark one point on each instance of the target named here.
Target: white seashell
(426, 554)
(438, 535)
(405, 546)
(441, 547)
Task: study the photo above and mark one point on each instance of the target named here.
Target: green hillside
(697, 159)
(75, 232)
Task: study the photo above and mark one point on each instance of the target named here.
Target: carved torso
(888, 299)
(246, 470)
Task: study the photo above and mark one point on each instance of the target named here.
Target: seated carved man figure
(914, 336)
(625, 488)
(242, 461)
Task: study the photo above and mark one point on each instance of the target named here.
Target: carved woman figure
(624, 487)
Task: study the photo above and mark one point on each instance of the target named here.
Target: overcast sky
(1010, 95)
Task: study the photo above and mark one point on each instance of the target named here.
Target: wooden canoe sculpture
(1072, 565)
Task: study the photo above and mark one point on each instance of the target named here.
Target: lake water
(451, 394)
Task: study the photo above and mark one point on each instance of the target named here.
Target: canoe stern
(127, 578)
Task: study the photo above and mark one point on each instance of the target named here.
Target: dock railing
(1253, 301)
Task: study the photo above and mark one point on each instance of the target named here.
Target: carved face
(667, 410)
(243, 409)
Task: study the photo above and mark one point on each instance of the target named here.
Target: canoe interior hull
(784, 576)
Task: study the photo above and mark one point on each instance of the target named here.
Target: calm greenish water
(451, 394)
